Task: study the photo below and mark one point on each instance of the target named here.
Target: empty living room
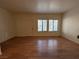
(39, 29)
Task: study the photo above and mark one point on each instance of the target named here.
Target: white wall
(7, 27)
(71, 25)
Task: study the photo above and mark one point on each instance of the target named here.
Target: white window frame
(48, 25)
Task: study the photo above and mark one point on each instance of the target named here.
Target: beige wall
(22, 24)
(7, 29)
(71, 25)
(25, 22)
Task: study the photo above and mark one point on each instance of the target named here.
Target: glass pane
(39, 25)
(55, 25)
(51, 25)
(44, 25)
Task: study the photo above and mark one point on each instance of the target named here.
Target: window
(50, 25)
(53, 25)
(42, 25)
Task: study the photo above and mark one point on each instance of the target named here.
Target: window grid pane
(39, 25)
(55, 25)
(51, 25)
(44, 25)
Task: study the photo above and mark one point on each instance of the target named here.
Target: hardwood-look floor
(40, 48)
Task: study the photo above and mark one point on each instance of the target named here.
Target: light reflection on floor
(47, 46)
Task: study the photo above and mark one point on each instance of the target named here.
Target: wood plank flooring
(40, 48)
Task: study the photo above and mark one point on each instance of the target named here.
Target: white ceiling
(38, 6)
